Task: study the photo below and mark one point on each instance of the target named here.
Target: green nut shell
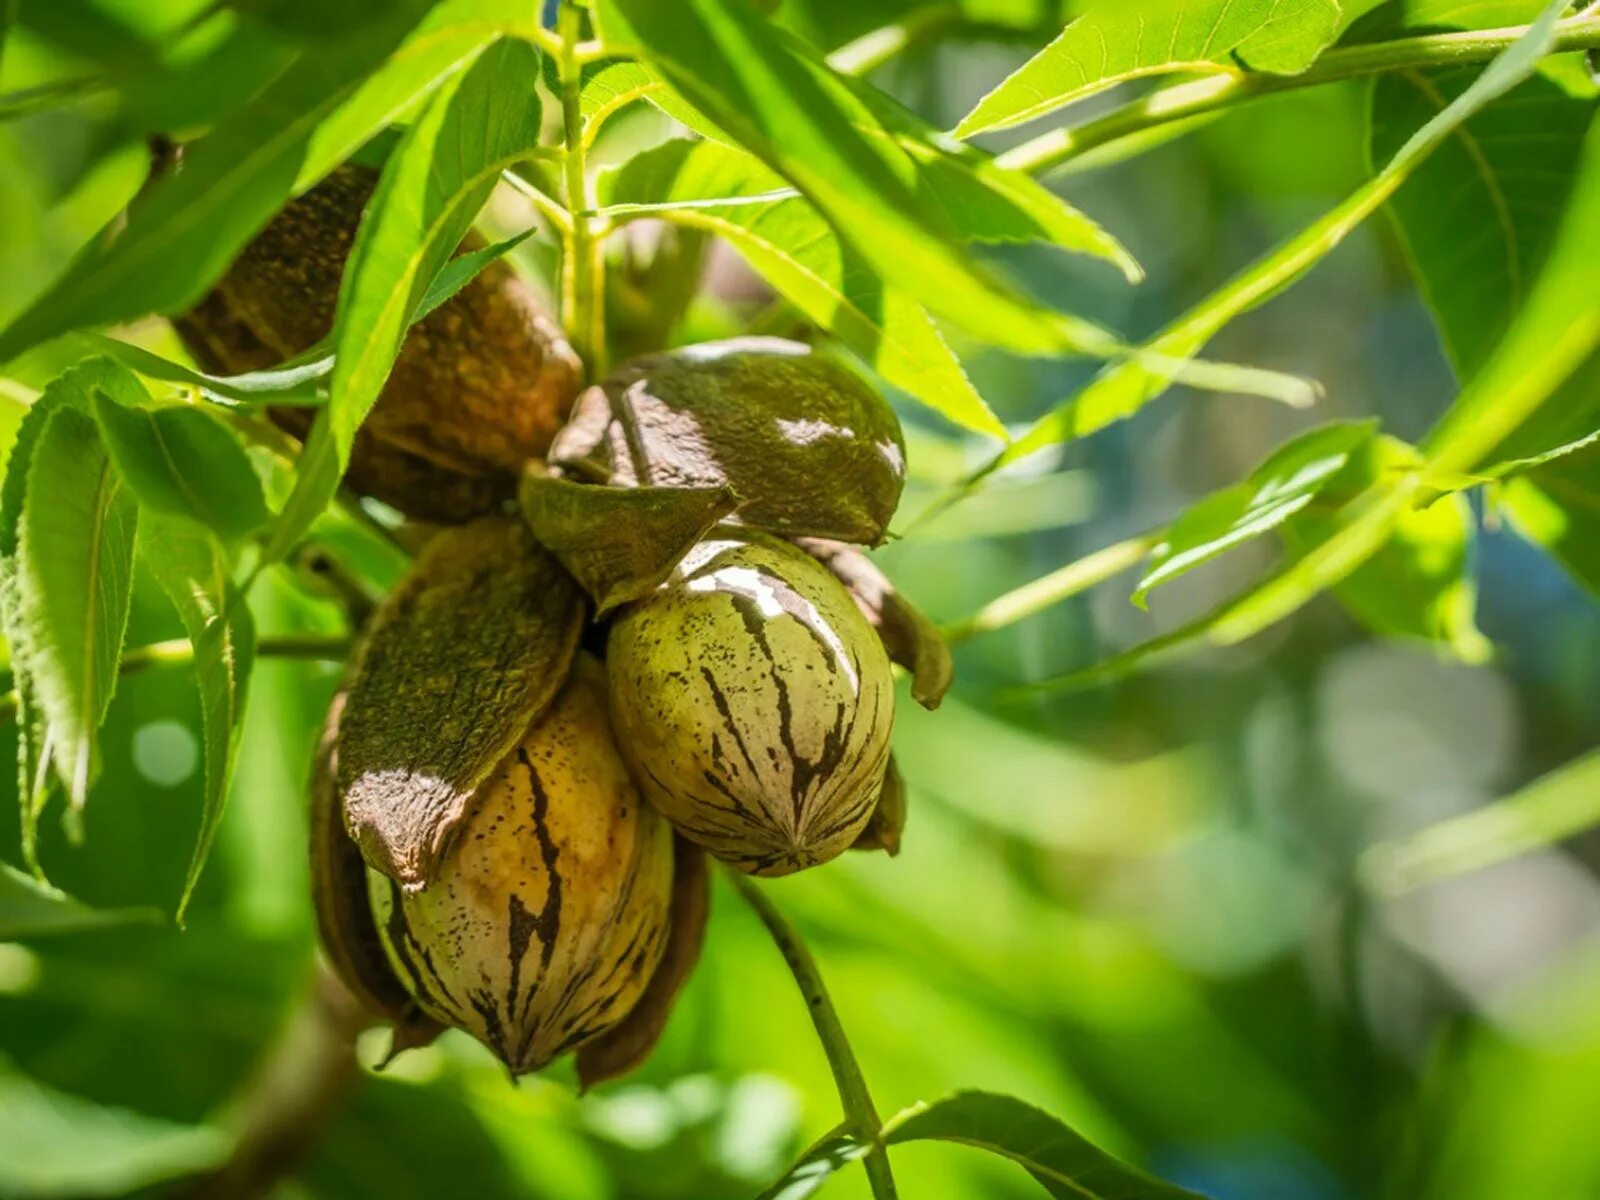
(754, 703)
(549, 916)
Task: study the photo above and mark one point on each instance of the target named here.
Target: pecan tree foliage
(392, 265)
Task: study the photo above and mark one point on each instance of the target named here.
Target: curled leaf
(805, 443)
(912, 640)
(619, 543)
(466, 652)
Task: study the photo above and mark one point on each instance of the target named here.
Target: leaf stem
(1039, 594)
(292, 1096)
(871, 50)
(1215, 93)
(583, 263)
(180, 653)
(861, 1116)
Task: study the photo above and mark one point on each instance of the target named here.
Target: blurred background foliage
(1139, 906)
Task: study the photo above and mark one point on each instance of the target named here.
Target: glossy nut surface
(754, 704)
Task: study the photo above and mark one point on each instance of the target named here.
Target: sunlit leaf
(295, 381)
(430, 192)
(1293, 37)
(1554, 334)
(798, 253)
(1557, 506)
(446, 43)
(310, 18)
(1113, 42)
(69, 391)
(75, 561)
(462, 270)
(1557, 806)
(1121, 390)
(782, 103)
(812, 1169)
(192, 569)
(30, 909)
(1418, 584)
(1479, 218)
(1066, 1164)
(181, 461)
(609, 87)
(983, 201)
(184, 231)
(1277, 489)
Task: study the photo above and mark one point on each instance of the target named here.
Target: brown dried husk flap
(462, 657)
(619, 543)
(621, 1049)
(911, 639)
(888, 820)
(344, 918)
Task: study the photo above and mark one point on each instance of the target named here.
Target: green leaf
(181, 461)
(70, 391)
(294, 382)
(1361, 529)
(1418, 584)
(462, 270)
(54, 1144)
(75, 560)
(1557, 506)
(1066, 1164)
(787, 107)
(448, 41)
(30, 909)
(309, 18)
(806, 445)
(186, 228)
(790, 244)
(1114, 42)
(1293, 38)
(1554, 807)
(1555, 333)
(985, 202)
(980, 200)
(1281, 486)
(8, 18)
(1479, 218)
(812, 1169)
(1122, 389)
(619, 543)
(609, 87)
(192, 569)
(430, 192)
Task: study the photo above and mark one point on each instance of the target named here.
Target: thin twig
(1040, 594)
(871, 50)
(1215, 93)
(860, 1114)
(583, 263)
(180, 653)
(283, 1108)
